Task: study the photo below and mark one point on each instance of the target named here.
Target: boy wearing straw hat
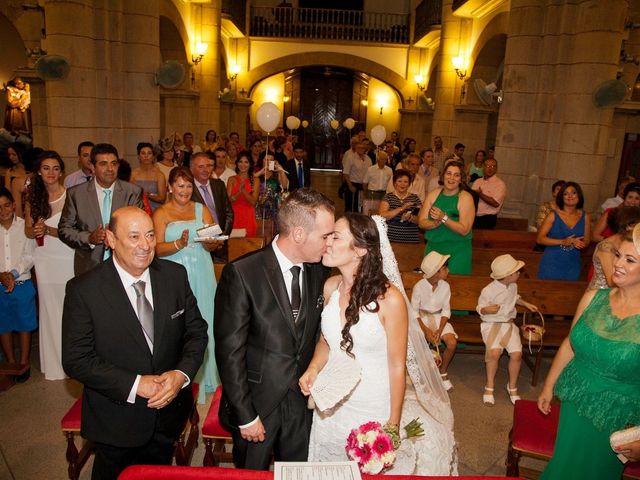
(430, 298)
(497, 309)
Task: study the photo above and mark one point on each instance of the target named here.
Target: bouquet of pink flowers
(371, 447)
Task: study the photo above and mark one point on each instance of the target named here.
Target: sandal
(487, 398)
(513, 394)
(446, 382)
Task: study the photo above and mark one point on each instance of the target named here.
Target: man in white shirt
(132, 334)
(354, 168)
(267, 319)
(85, 173)
(440, 153)
(221, 171)
(492, 192)
(375, 184)
(18, 297)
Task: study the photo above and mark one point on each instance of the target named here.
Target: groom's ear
(298, 234)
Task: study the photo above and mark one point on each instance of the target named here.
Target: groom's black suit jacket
(103, 347)
(260, 351)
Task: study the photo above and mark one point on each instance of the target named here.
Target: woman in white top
(53, 259)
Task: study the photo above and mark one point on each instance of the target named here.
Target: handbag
(532, 332)
(622, 437)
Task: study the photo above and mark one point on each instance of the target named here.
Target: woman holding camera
(400, 208)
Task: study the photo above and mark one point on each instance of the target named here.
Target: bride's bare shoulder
(330, 286)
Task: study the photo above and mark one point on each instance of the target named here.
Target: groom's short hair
(300, 207)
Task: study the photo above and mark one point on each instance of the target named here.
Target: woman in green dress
(595, 374)
(447, 216)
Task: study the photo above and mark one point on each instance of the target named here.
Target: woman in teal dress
(595, 374)
(175, 224)
(447, 216)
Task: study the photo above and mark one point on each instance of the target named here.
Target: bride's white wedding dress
(431, 454)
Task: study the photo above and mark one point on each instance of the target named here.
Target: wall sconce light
(383, 101)
(365, 103)
(420, 82)
(458, 66)
(235, 70)
(201, 50)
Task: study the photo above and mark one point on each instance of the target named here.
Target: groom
(267, 314)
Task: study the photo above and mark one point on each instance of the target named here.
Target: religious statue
(18, 114)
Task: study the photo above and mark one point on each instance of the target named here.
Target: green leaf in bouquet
(414, 428)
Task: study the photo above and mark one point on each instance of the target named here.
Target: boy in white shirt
(430, 299)
(17, 294)
(497, 309)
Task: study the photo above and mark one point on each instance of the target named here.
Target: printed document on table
(316, 471)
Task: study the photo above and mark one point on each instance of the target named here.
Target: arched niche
(329, 59)
(13, 50)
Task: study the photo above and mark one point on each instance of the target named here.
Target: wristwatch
(444, 219)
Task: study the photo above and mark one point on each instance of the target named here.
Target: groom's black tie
(295, 291)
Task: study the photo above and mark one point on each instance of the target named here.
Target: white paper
(316, 471)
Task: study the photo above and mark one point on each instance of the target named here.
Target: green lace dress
(446, 241)
(600, 393)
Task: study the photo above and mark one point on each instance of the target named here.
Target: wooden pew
(241, 246)
(557, 301)
(410, 255)
(514, 240)
(519, 224)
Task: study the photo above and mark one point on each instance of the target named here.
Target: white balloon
(293, 122)
(268, 116)
(349, 123)
(378, 134)
(305, 124)
(334, 124)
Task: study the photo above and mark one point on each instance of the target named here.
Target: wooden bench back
(518, 224)
(241, 246)
(551, 297)
(514, 240)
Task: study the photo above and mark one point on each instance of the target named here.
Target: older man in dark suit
(267, 316)
(88, 207)
(211, 191)
(133, 335)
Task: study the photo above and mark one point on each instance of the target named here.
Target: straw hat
(504, 265)
(432, 263)
(636, 237)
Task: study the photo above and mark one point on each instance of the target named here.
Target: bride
(368, 318)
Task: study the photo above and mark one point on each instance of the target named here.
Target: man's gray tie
(145, 311)
(209, 201)
(295, 291)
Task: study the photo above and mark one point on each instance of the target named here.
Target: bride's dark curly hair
(37, 194)
(370, 281)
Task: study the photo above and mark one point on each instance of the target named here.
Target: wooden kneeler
(77, 459)
(71, 427)
(215, 436)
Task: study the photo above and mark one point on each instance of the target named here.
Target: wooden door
(325, 95)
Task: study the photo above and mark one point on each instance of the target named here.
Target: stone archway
(330, 59)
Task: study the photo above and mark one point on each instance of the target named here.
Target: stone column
(557, 53)
(448, 87)
(208, 71)
(109, 95)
